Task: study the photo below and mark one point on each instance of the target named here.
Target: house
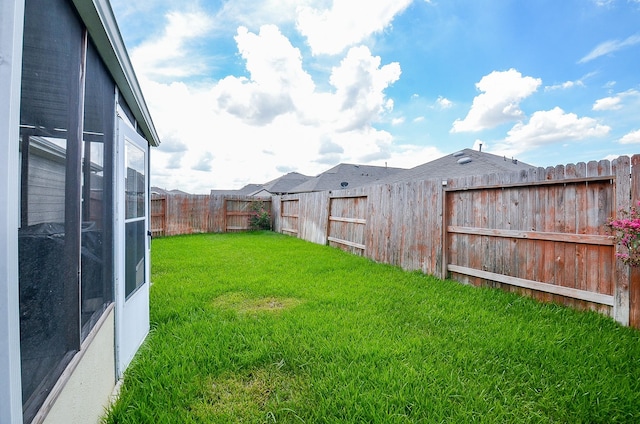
(466, 162)
(346, 175)
(285, 184)
(163, 192)
(247, 190)
(75, 135)
(280, 185)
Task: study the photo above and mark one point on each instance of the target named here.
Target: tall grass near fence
(259, 327)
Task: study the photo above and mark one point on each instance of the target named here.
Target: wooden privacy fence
(174, 214)
(540, 232)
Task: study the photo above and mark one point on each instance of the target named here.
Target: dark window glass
(135, 194)
(97, 196)
(49, 235)
(135, 188)
(135, 263)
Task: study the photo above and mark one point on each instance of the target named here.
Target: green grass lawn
(262, 328)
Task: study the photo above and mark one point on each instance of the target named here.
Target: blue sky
(244, 91)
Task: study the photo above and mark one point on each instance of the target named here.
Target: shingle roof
(280, 185)
(346, 175)
(285, 183)
(158, 190)
(466, 162)
(247, 190)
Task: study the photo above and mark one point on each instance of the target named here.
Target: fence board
(569, 227)
(158, 215)
(217, 215)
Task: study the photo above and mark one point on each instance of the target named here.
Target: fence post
(444, 272)
(634, 278)
(621, 170)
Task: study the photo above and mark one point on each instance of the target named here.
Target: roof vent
(457, 154)
(464, 160)
(344, 184)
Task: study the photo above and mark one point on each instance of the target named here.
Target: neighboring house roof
(466, 162)
(158, 190)
(248, 190)
(344, 176)
(285, 183)
(280, 185)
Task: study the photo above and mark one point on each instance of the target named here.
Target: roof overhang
(100, 21)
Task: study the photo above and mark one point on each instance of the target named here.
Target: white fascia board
(100, 21)
(11, 34)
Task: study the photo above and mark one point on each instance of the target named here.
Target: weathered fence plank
(347, 223)
(158, 215)
(289, 214)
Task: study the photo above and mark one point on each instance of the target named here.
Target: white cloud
(444, 103)
(398, 121)
(609, 47)
(565, 85)
(277, 81)
(550, 127)
(174, 161)
(607, 103)
(631, 138)
(499, 102)
(615, 102)
(411, 155)
(479, 144)
(253, 13)
(346, 23)
(329, 147)
(360, 82)
(204, 163)
(169, 55)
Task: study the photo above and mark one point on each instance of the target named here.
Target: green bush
(260, 217)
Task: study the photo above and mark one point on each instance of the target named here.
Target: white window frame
(11, 34)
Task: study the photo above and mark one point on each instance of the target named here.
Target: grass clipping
(244, 304)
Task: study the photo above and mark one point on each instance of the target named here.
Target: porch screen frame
(11, 34)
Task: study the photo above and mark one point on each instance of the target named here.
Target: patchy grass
(245, 304)
(262, 328)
